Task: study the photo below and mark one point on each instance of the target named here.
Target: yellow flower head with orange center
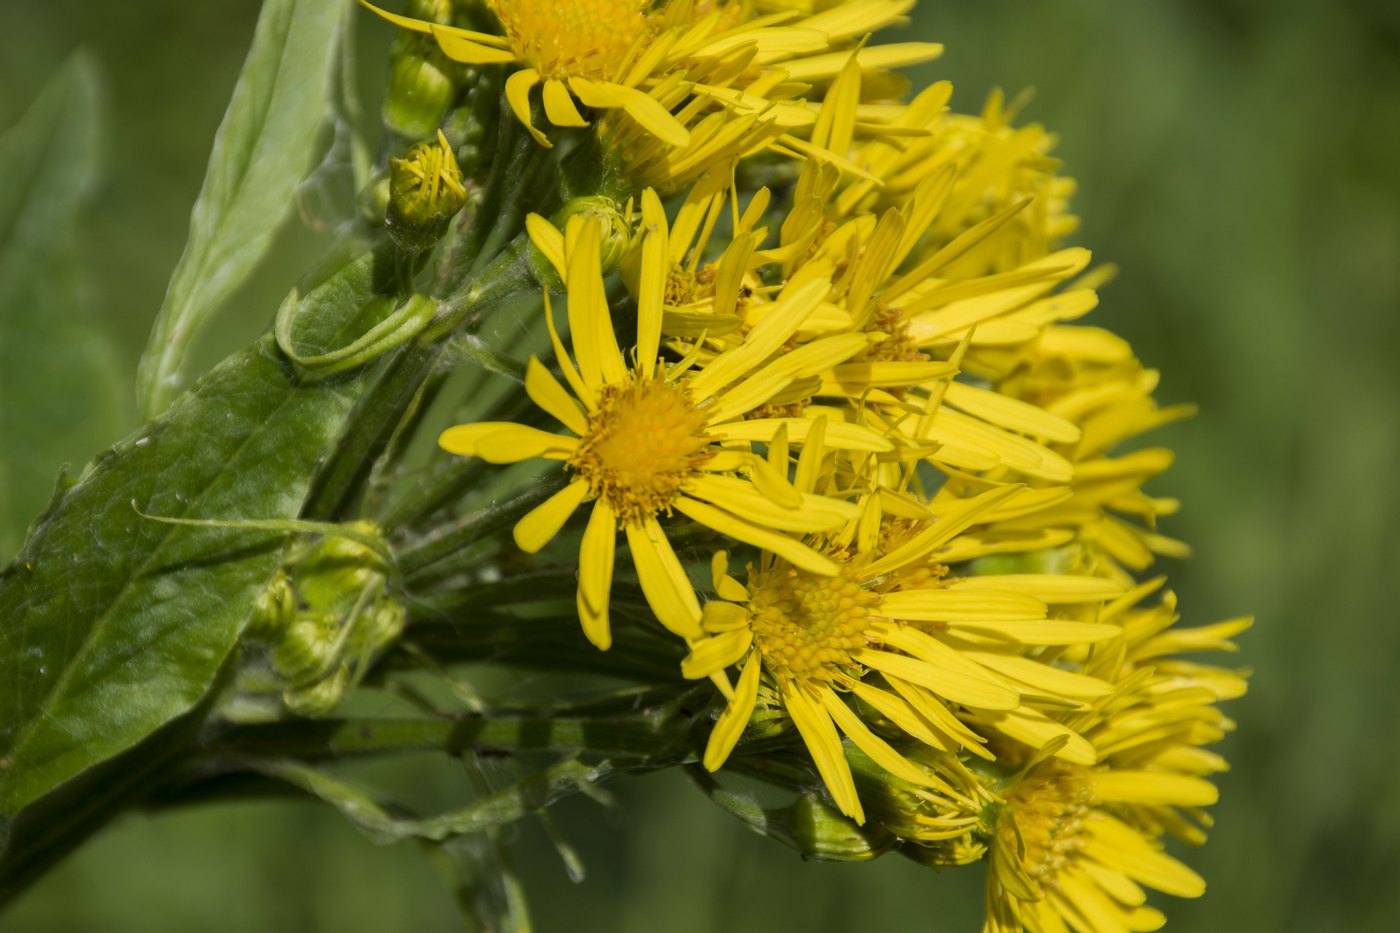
(644, 438)
(922, 651)
(649, 438)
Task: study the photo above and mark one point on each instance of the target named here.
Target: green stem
(440, 556)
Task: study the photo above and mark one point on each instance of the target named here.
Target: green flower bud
(320, 698)
(380, 626)
(274, 608)
(933, 827)
(823, 832)
(335, 571)
(421, 88)
(309, 646)
(425, 192)
(615, 225)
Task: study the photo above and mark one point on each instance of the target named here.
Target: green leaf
(60, 393)
(264, 148)
(112, 624)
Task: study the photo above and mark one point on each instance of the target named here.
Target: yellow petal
(815, 513)
(1036, 730)
(663, 579)
(822, 741)
(789, 549)
(877, 748)
(841, 435)
(545, 391)
(730, 724)
(638, 105)
(539, 526)
(651, 286)
(1045, 587)
(1134, 856)
(948, 605)
(954, 685)
(720, 616)
(505, 442)
(780, 322)
(1154, 788)
(596, 556)
(549, 241)
(590, 319)
(1041, 632)
(715, 653)
(559, 107)
(1012, 414)
(518, 96)
(1044, 678)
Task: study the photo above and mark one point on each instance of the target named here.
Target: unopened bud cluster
(320, 622)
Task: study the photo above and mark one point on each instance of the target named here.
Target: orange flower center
(643, 440)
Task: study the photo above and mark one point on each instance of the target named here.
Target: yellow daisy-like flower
(938, 646)
(649, 438)
(628, 55)
(1074, 845)
(1062, 859)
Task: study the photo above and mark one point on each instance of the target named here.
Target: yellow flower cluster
(870, 400)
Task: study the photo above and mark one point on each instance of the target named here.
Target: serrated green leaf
(60, 393)
(264, 148)
(112, 624)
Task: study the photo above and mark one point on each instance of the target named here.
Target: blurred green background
(1236, 157)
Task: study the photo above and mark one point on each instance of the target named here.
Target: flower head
(893, 632)
(648, 60)
(651, 438)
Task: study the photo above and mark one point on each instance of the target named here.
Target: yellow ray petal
(505, 442)
(814, 513)
(949, 605)
(1012, 414)
(663, 579)
(730, 724)
(559, 107)
(590, 319)
(789, 549)
(822, 741)
(955, 685)
(638, 105)
(545, 391)
(840, 435)
(1154, 788)
(877, 748)
(1036, 730)
(716, 653)
(596, 556)
(539, 526)
(651, 286)
(1045, 587)
(518, 87)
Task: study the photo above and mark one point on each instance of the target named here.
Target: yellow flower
(650, 438)
(630, 55)
(1061, 857)
(889, 631)
(1074, 844)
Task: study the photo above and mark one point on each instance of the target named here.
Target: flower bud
(333, 572)
(381, 625)
(425, 192)
(308, 647)
(615, 228)
(420, 88)
(320, 698)
(274, 608)
(823, 832)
